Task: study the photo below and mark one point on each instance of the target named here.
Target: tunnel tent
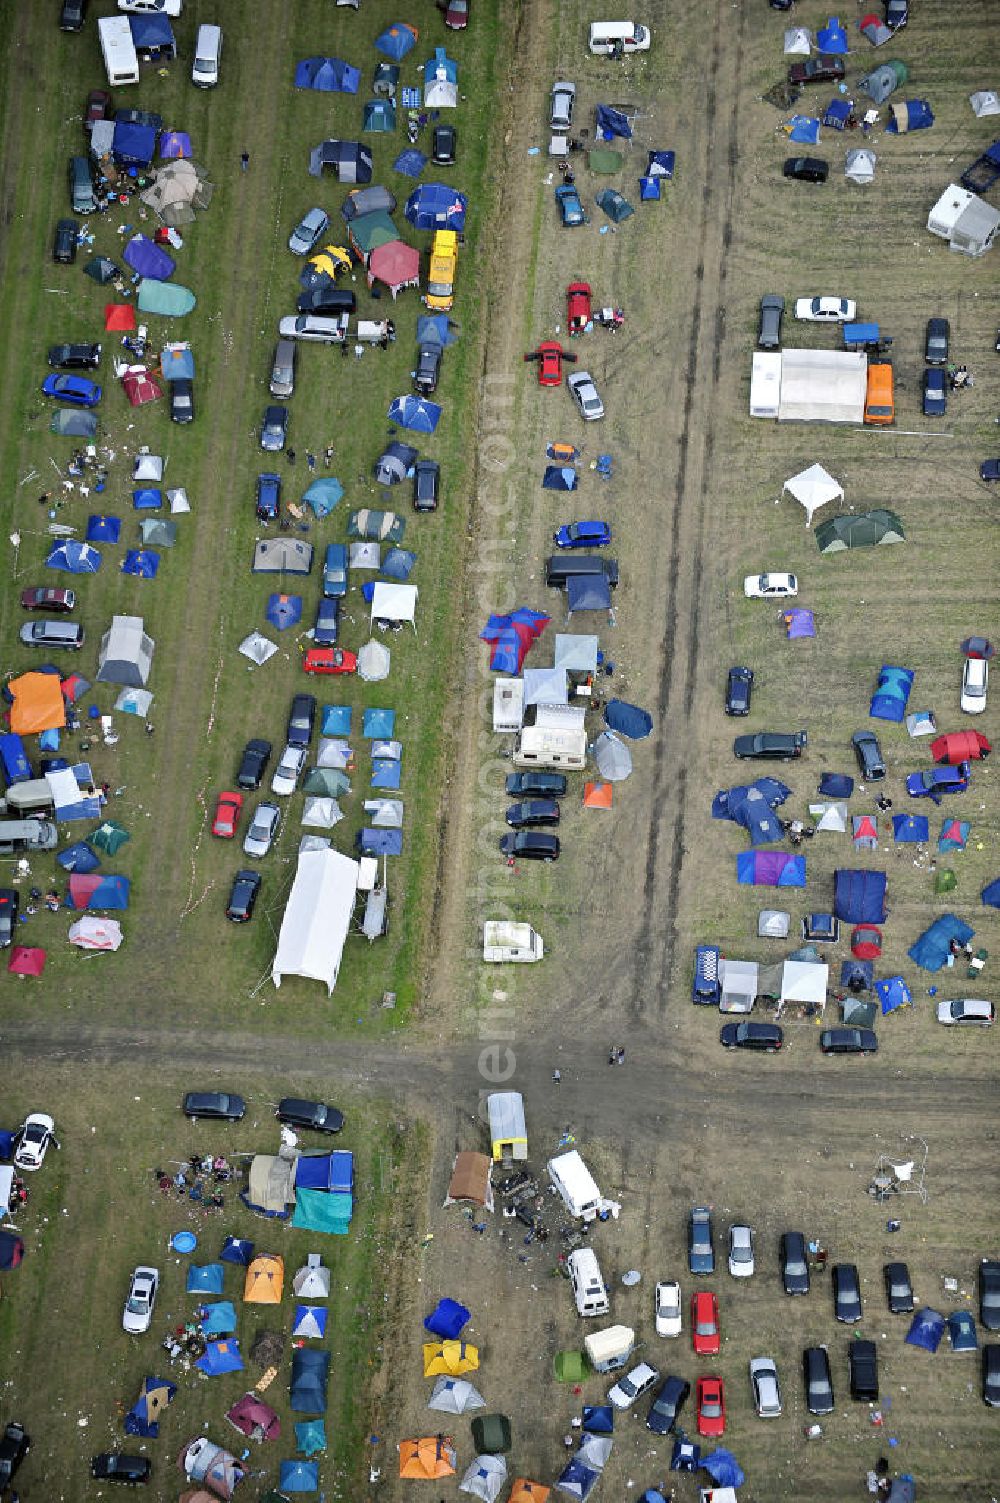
(866, 529)
(328, 75)
(126, 654)
(349, 160)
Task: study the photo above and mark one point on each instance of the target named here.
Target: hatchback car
(975, 685)
(72, 14)
(806, 169)
(282, 382)
(10, 902)
(15, 1443)
(988, 470)
(268, 501)
(898, 1288)
(243, 896)
(529, 784)
(326, 627)
(765, 1037)
(667, 1308)
(312, 1114)
(428, 371)
(335, 570)
(701, 1250)
(869, 755)
(47, 598)
(33, 1137)
(83, 199)
(770, 586)
(329, 660)
(313, 328)
(991, 1375)
(308, 232)
(862, 1359)
(848, 1041)
(444, 145)
(227, 815)
(289, 770)
(820, 69)
(259, 838)
(99, 106)
(75, 391)
(826, 310)
(256, 755)
(52, 634)
(935, 402)
(274, 428)
(711, 1405)
(327, 301)
(74, 357)
(530, 845)
(667, 1405)
(138, 1313)
(741, 1253)
(182, 400)
(989, 1294)
(301, 720)
(218, 1106)
(426, 479)
(765, 1388)
(585, 395)
(112, 1466)
(705, 1336)
(561, 105)
(817, 1380)
(455, 12)
(739, 691)
(64, 242)
(936, 341)
(633, 1385)
(772, 309)
(595, 534)
(967, 1012)
(569, 206)
(532, 812)
(771, 746)
(794, 1267)
(846, 1293)
(937, 781)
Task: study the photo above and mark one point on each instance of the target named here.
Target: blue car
(76, 391)
(327, 625)
(570, 207)
(274, 428)
(939, 780)
(701, 1249)
(583, 535)
(335, 570)
(268, 497)
(935, 402)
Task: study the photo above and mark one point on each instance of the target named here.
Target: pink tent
(396, 264)
(26, 960)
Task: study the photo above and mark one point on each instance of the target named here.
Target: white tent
(440, 93)
(178, 499)
(576, 651)
(455, 1396)
(365, 556)
(333, 752)
(772, 923)
(739, 979)
(823, 386)
(797, 43)
(804, 981)
(921, 723)
(394, 602)
(830, 815)
(148, 467)
(314, 843)
(373, 662)
(134, 702)
(257, 648)
(985, 102)
(320, 813)
(485, 1478)
(385, 813)
(545, 686)
(126, 655)
(312, 1281)
(93, 933)
(859, 165)
(317, 918)
(813, 488)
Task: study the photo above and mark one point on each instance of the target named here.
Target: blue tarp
(398, 564)
(379, 724)
(205, 1278)
(912, 114)
(891, 693)
(6, 1146)
(932, 949)
(74, 558)
(102, 529)
(147, 498)
(323, 494)
(836, 113)
(855, 334)
(396, 41)
(770, 869)
(628, 720)
(926, 1330)
(892, 992)
(336, 720)
(144, 1416)
(415, 413)
(910, 829)
(298, 1476)
(598, 1419)
(804, 129)
(220, 1357)
(612, 123)
(447, 1319)
(310, 1371)
(560, 477)
(309, 1322)
(16, 767)
(237, 1250)
(859, 896)
(684, 1457)
(752, 806)
(410, 162)
(142, 562)
(832, 38)
(330, 75)
(133, 145)
(379, 842)
(219, 1319)
(723, 1468)
(148, 259)
(78, 857)
(436, 206)
(990, 894)
(153, 34)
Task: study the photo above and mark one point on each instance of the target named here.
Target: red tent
(26, 960)
(396, 264)
(960, 746)
(140, 386)
(866, 942)
(119, 316)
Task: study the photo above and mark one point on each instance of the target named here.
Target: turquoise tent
(319, 1211)
(310, 1436)
(166, 298)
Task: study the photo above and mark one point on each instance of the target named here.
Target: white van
(207, 52)
(171, 8)
(610, 38)
(575, 1185)
(589, 1289)
(121, 61)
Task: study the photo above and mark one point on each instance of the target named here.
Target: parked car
(739, 691)
(47, 598)
(217, 1106)
(846, 1293)
(64, 242)
(72, 14)
(868, 752)
(991, 1375)
(935, 402)
(326, 628)
(227, 815)
(862, 1358)
(770, 586)
(975, 685)
(268, 500)
(570, 207)
(765, 1387)
(529, 784)
(582, 535)
(263, 828)
(530, 845)
(138, 1313)
(74, 357)
(848, 1041)
(428, 370)
(243, 896)
(585, 395)
(806, 169)
(989, 1293)
(326, 301)
(426, 480)
(112, 1466)
(455, 12)
(301, 720)
(444, 145)
(182, 400)
(706, 987)
(82, 198)
(988, 470)
(772, 309)
(256, 755)
(289, 770)
(767, 1037)
(966, 1012)
(15, 1443)
(711, 1405)
(819, 69)
(295, 1112)
(794, 1265)
(10, 902)
(308, 232)
(826, 310)
(937, 341)
(52, 634)
(282, 382)
(701, 1248)
(633, 1385)
(898, 1288)
(313, 328)
(532, 812)
(770, 746)
(274, 428)
(818, 1382)
(561, 104)
(33, 1137)
(329, 660)
(549, 356)
(75, 391)
(335, 570)
(937, 781)
(99, 106)
(897, 13)
(705, 1337)
(741, 1251)
(667, 1306)
(667, 1404)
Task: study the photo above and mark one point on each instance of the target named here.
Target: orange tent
(449, 1359)
(119, 316)
(597, 796)
(265, 1280)
(528, 1492)
(38, 704)
(429, 1457)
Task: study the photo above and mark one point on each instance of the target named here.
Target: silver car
(314, 326)
(289, 770)
(561, 107)
(263, 828)
(308, 232)
(766, 1390)
(282, 382)
(741, 1264)
(584, 394)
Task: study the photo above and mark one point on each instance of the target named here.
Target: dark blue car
(570, 207)
(76, 391)
(935, 401)
(583, 535)
(335, 569)
(268, 496)
(327, 625)
(936, 781)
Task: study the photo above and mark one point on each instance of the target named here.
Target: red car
(550, 356)
(47, 598)
(711, 1400)
(820, 69)
(578, 306)
(705, 1323)
(329, 660)
(99, 107)
(455, 12)
(227, 815)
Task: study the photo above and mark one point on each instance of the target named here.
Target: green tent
(328, 782)
(379, 116)
(166, 298)
(866, 529)
(569, 1367)
(369, 231)
(945, 880)
(614, 205)
(603, 160)
(491, 1434)
(109, 837)
(319, 1211)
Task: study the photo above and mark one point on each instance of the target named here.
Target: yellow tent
(265, 1280)
(38, 704)
(528, 1492)
(429, 1457)
(449, 1358)
(331, 260)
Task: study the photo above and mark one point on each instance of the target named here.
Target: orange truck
(441, 275)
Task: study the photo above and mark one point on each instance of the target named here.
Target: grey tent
(328, 781)
(373, 662)
(881, 81)
(859, 165)
(351, 161)
(367, 201)
(857, 1013)
(455, 1396)
(158, 531)
(613, 758)
(985, 102)
(831, 814)
(282, 556)
(70, 422)
(379, 116)
(485, 1478)
(772, 923)
(385, 79)
(576, 652)
(126, 654)
(320, 813)
(394, 462)
(866, 529)
(101, 270)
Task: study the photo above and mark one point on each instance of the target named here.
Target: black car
(819, 69)
(64, 242)
(848, 1041)
(991, 1375)
(426, 478)
(770, 746)
(990, 469)
(989, 1294)
(764, 1036)
(772, 308)
(739, 691)
(817, 1379)
(846, 1293)
(182, 400)
(898, 1288)
(863, 1359)
(444, 145)
(806, 169)
(531, 812)
(936, 341)
(301, 720)
(312, 1114)
(74, 357)
(10, 900)
(215, 1105)
(794, 1267)
(72, 15)
(243, 896)
(530, 845)
(111, 1466)
(274, 428)
(328, 301)
(897, 13)
(256, 755)
(527, 784)
(425, 377)
(15, 1443)
(869, 755)
(667, 1405)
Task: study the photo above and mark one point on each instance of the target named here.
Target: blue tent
(628, 720)
(310, 1321)
(410, 162)
(577, 1479)
(142, 562)
(926, 1330)
(147, 498)
(385, 773)
(284, 610)
(298, 1477)
(962, 1331)
(611, 202)
(177, 364)
(6, 1146)
(598, 1419)
(723, 1468)
(990, 894)
(832, 38)
(954, 835)
(144, 1416)
(910, 829)
(237, 1250)
(378, 724)
(447, 1319)
(78, 857)
(932, 949)
(174, 144)
(310, 1372)
(397, 40)
(220, 1357)
(611, 123)
(436, 206)
(835, 785)
(74, 558)
(310, 1436)
(398, 564)
(804, 129)
(649, 189)
(323, 494)
(684, 1457)
(910, 114)
(588, 592)
(16, 766)
(336, 720)
(436, 328)
(859, 896)
(107, 892)
(891, 693)
(133, 145)
(326, 1171)
(855, 974)
(148, 259)
(219, 1319)
(893, 992)
(102, 529)
(415, 413)
(330, 75)
(440, 66)
(379, 842)
(770, 869)
(205, 1278)
(153, 35)
(753, 807)
(837, 113)
(660, 164)
(560, 477)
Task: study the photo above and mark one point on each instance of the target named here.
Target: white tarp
(455, 1396)
(93, 933)
(148, 467)
(394, 602)
(812, 489)
(804, 981)
(317, 918)
(334, 752)
(545, 686)
(985, 102)
(967, 222)
(823, 386)
(64, 788)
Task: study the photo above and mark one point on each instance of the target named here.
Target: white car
(634, 1384)
(966, 1011)
(741, 1263)
(34, 1135)
(289, 770)
(770, 586)
(138, 1312)
(766, 1390)
(668, 1309)
(263, 828)
(584, 394)
(321, 329)
(975, 682)
(561, 105)
(826, 310)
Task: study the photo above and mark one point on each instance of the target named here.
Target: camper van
(31, 797)
(207, 54)
(575, 1185)
(17, 835)
(618, 38)
(589, 1289)
(503, 942)
(121, 61)
(610, 1349)
(441, 272)
(879, 406)
(543, 746)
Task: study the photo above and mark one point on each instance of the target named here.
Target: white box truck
(575, 1185)
(511, 942)
(121, 61)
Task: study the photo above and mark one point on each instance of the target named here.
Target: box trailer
(508, 705)
(508, 1133)
(503, 942)
(610, 1349)
(121, 61)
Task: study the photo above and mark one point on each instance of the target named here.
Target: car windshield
(705, 1325)
(137, 1304)
(711, 1407)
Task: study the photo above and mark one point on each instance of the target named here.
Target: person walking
(556, 1077)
